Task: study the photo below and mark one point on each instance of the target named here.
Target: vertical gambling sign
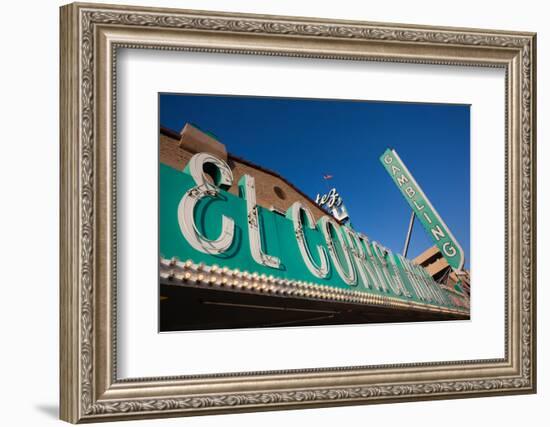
(423, 209)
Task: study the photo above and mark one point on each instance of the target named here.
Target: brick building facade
(272, 190)
(437, 266)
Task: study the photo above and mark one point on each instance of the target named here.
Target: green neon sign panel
(423, 209)
(382, 269)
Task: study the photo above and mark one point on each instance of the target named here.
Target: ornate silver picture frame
(92, 35)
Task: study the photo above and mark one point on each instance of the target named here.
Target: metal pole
(408, 239)
(326, 183)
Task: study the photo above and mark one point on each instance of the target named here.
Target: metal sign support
(409, 233)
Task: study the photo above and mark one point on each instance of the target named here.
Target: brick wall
(271, 189)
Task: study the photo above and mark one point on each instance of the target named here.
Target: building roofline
(175, 135)
(169, 132)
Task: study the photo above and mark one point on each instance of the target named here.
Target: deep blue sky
(303, 139)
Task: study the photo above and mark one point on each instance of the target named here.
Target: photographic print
(311, 195)
(277, 212)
